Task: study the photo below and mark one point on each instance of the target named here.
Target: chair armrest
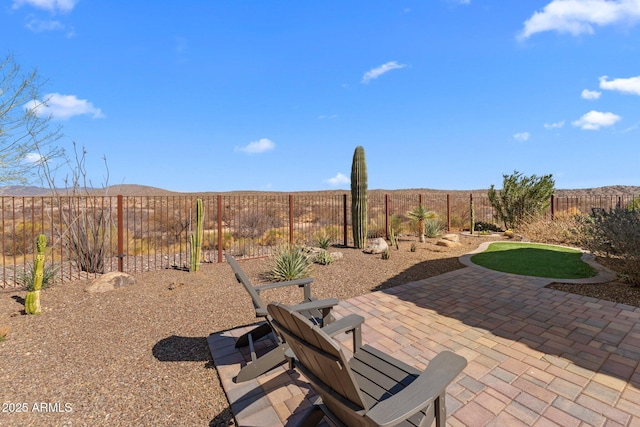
(349, 324)
(324, 306)
(301, 283)
(274, 285)
(431, 383)
(316, 304)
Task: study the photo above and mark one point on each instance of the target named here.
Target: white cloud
(38, 25)
(579, 16)
(590, 94)
(556, 125)
(259, 146)
(374, 73)
(630, 85)
(338, 179)
(63, 107)
(594, 120)
(50, 5)
(33, 158)
(522, 136)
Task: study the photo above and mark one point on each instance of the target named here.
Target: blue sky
(275, 95)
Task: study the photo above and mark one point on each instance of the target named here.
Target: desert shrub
(210, 240)
(433, 227)
(634, 204)
(386, 254)
(275, 236)
(20, 239)
(486, 226)
(26, 280)
(564, 229)
(521, 198)
(376, 229)
(413, 247)
(323, 258)
(290, 262)
(616, 235)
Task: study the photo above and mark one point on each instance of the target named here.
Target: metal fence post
(553, 208)
(448, 213)
(291, 219)
(386, 216)
(344, 219)
(219, 227)
(120, 234)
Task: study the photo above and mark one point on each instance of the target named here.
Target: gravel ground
(138, 356)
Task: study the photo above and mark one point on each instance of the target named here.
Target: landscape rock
(336, 255)
(110, 281)
(377, 246)
(451, 237)
(448, 243)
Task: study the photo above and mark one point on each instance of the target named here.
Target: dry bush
(564, 229)
(616, 235)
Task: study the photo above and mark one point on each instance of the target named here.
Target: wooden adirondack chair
(316, 311)
(369, 389)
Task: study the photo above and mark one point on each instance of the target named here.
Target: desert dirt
(139, 355)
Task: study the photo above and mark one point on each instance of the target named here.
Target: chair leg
(312, 417)
(263, 364)
(441, 410)
(256, 333)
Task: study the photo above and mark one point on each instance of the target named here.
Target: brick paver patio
(537, 356)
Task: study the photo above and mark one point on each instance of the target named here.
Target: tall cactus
(32, 300)
(359, 198)
(196, 237)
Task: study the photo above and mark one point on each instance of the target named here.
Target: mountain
(144, 190)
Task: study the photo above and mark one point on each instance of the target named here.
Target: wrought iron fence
(142, 233)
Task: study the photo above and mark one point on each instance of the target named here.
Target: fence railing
(142, 233)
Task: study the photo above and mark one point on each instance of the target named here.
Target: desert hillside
(143, 190)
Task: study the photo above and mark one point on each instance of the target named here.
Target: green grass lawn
(531, 259)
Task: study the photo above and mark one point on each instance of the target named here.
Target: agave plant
(290, 262)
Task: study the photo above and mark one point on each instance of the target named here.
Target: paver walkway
(537, 356)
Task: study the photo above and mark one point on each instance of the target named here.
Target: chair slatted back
(321, 357)
(242, 278)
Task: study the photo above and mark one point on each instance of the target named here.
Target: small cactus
(413, 247)
(4, 332)
(386, 254)
(196, 237)
(32, 300)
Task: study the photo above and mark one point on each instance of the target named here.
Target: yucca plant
(323, 240)
(290, 262)
(420, 214)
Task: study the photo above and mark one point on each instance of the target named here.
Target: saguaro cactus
(359, 198)
(196, 237)
(32, 300)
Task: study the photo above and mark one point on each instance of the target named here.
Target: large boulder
(110, 281)
(376, 246)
